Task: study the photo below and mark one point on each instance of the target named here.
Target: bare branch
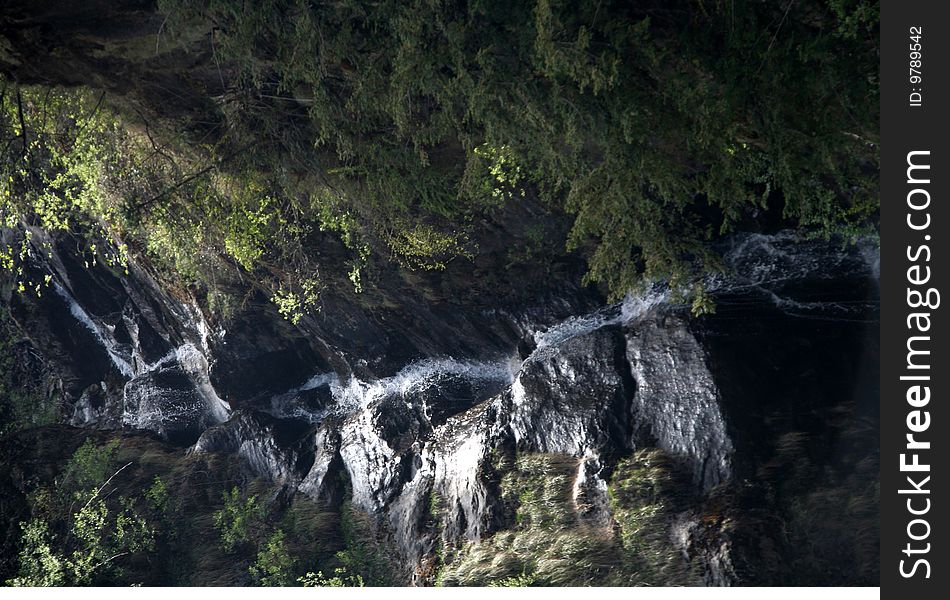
(190, 178)
(103, 486)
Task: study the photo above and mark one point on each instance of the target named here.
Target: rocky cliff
(415, 415)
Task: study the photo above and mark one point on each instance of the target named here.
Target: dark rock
(266, 450)
(574, 398)
(174, 398)
(420, 440)
(677, 402)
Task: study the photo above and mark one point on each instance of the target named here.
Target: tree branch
(190, 178)
(19, 110)
(103, 486)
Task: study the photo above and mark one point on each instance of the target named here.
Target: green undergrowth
(22, 403)
(129, 510)
(94, 508)
(548, 541)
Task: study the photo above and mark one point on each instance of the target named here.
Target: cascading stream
(623, 376)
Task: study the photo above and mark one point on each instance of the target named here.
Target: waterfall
(102, 335)
(174, 396)
(766, 266)
(592, 386)
(354, 395)
(170, 395)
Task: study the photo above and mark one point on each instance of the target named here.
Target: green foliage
(423, 246)
(340, 578)
(73, 165)
(295, 302)
(39, 564)
(165, 518)
(221, 305)
(246, 228)
(645, 495)
(158, 496)
(335, 549)
(22, 405)
(96, 538)
(522, 580)
(363, 559)
(856, 17)
(79, 530)
(274, 565)
(436, 505)
(657, 127)
(102, 539)
(504, 173)
(240, 520)
(703, 303)
(90, 466)
(549, 542)
(540, 486)
(59, 144)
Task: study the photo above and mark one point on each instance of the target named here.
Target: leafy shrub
(158, 495)
(81, 529)
(90, 466)
(240, 520)
(340, 578)
(274, 565)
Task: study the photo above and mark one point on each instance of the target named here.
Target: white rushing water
(767, 264)
(354, 395)
(676, 394)
(147, 405)
(396, 463)
(103, 336)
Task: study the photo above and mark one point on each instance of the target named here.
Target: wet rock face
(375, 468)
(464, 495)
(416, 441)
(311, 402)
(260, 355)
(127, 351)
(677, 404)
(102, 327)
(429, 483)
(428, 474)
(174, 397)
(321, 481)
(97, 407)
(268, 448)
(574, 398)
(590, 493)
